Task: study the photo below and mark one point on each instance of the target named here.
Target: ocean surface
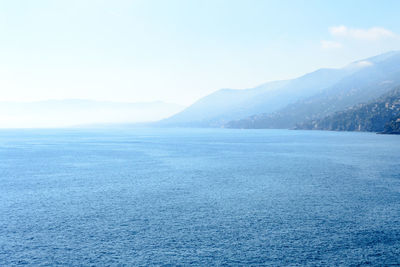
(81, 197)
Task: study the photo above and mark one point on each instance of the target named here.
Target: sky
(177, 51)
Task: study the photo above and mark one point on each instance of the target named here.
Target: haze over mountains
(225, 105)
(312, 101)
(284, 104)
(75, 112)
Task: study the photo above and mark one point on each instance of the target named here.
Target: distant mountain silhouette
(217, 109)
(71, 112)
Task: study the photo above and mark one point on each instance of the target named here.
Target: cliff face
(381, 115)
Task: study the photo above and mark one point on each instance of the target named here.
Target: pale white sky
(179, 50)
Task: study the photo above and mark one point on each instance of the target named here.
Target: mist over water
(80, 112)
(198, 196)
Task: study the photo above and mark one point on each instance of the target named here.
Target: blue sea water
(198, 197)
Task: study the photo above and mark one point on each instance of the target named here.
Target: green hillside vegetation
(381, 115)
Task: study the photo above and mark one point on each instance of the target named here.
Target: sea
(200, 197)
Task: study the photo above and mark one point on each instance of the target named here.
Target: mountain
(225, 105)
(380, 115)
(392, 127)
(71, 112)
(372, 77)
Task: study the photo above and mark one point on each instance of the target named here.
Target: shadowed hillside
(381, 115)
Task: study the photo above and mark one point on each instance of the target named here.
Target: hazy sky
(178, 51)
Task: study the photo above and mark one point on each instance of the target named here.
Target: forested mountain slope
(379, 75)
(381, 115)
